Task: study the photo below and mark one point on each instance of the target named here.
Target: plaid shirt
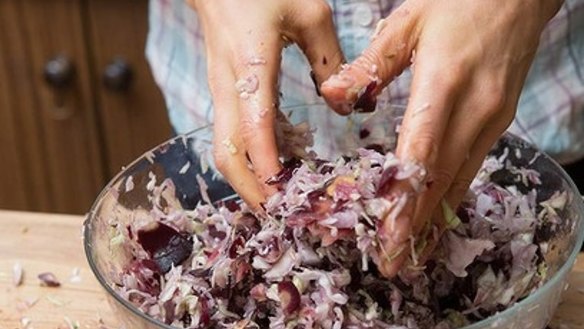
(551, 107)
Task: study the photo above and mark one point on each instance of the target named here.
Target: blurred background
(77, 100)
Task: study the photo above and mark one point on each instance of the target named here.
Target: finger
(231, 161)
(454, 149)
(500, 103)
(457, 190)
(390, 52)
(495, 103)
(316, 37)
(482, 106)
(397, 229)
(454, 173)
(422, 138)
(467, 173)
(428, 232)
(228, 148)
(436, 86)
(423, 128)
(257, 88)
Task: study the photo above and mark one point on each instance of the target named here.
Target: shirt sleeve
(551, 107)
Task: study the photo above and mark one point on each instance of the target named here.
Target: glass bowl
(127, 198)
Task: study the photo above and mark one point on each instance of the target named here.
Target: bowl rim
(491, 320)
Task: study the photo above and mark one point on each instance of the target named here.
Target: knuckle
(441, 178)
(253, 126)
(490, 105)
(373, 55)
(460, 65)
(322, 11)
(454, 78)
(376, 63)
(495, 103)
(444, 85)
(493, 99)
(444, 64)
(424, 148)
(317, 13)
(239, 65)
(248, 130)
(388, 63)
(246, 126)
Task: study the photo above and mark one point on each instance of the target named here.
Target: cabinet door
(54, 128)
(132, 111)
(23, 183)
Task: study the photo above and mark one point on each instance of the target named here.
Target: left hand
(470, 59)
(244, 42)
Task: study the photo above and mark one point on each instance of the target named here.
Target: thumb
(357, 85)
(315, 34)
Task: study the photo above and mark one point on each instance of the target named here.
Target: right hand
(471, 60)
(244, 42)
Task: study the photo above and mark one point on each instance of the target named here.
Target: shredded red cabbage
(310, 263)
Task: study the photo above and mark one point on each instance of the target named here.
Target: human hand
(470, 59)
(244, 41)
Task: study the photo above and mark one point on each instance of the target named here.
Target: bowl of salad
(173, 247)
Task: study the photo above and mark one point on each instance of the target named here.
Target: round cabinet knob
(59, 71)
(117, 75)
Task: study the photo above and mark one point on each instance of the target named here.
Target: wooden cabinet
(66, 128)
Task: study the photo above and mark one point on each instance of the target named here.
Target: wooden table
(42, 242)
(48, 243)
